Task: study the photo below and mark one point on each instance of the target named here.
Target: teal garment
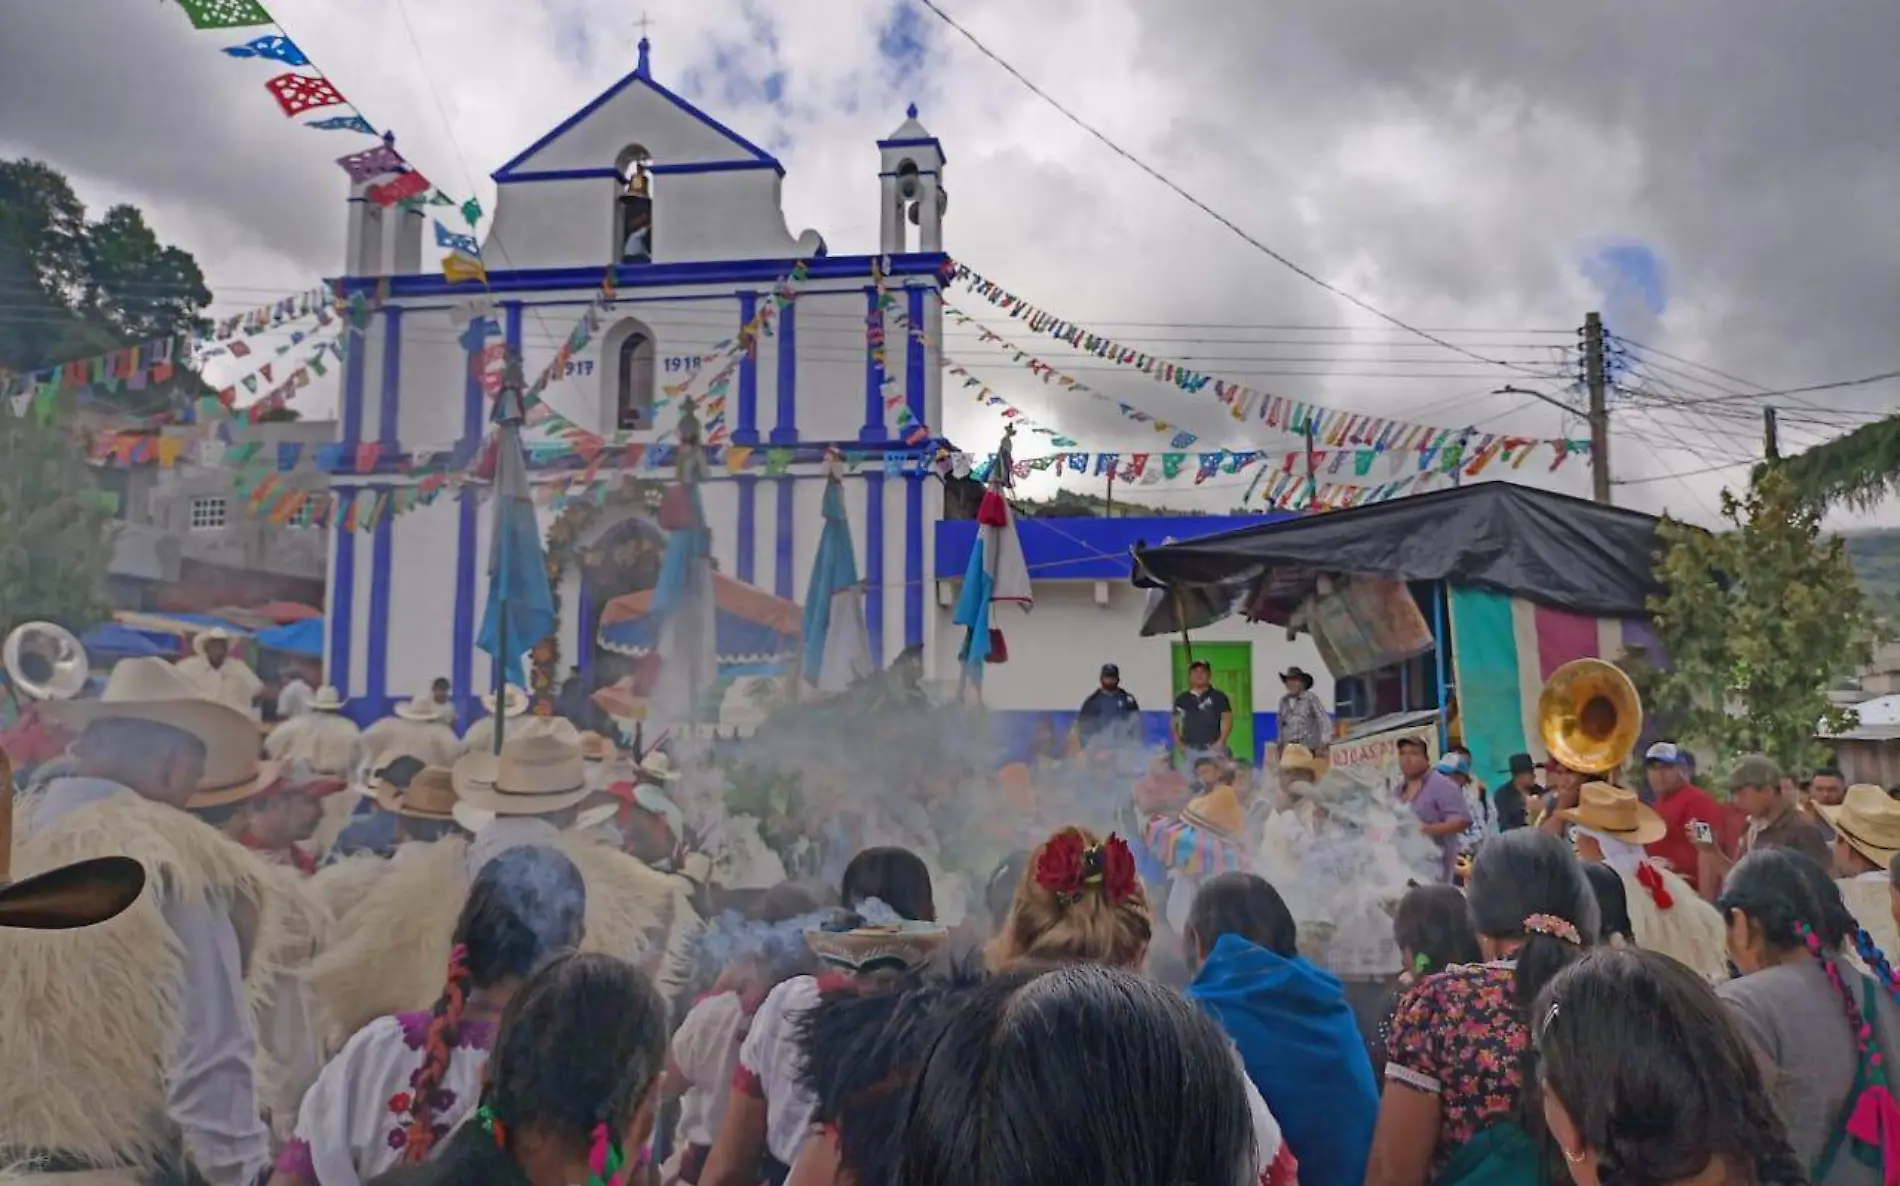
(1301, 1046)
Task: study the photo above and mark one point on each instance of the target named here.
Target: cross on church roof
(644, 67)
(646, 23)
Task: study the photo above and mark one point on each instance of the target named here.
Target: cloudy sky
(1718, 177)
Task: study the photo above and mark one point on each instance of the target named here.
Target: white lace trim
(1412, 1078)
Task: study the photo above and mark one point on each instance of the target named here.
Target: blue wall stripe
(785, 431)
(342, 594)
(388, 398)
(914, 356)
(913, 559)
(748, 534)
(746, 432)
(874, 564)
(782, 546)
(382, 542)
(873, 429)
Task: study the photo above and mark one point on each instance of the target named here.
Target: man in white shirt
(222, 678)
(179, 1059)
(293, 699)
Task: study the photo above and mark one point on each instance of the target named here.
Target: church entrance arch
(611, 546)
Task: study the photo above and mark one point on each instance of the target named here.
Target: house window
(634, 381)
(208, 513)
(633, 208)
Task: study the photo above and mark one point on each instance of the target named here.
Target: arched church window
(633, 208)
(634, 381)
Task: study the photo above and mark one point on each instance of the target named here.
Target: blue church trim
(874, 564)
(377, 676)
(642, 75)
(343, 581)
(680, 169)
(782, 546)
(873, 429)
(747, 537)
(914, 355)
(930, 142)
(913, 559)
(355, 341)
(661, 275)
(747, 431)
(388, 403)
(785, 431)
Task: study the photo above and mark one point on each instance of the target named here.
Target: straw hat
(517, 702)
(215, 634)
(536, 775)
(904, 944)
(1298, 757)
(1617, 813)
(1869, 820)
(327, 699)
(595, 748)
(423, 709)
(659, 767)
(1217, 811)
(430, 795)
(473, 819)
(152, 690)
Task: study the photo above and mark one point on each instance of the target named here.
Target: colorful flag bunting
(274, 46)
(466, 244)
(225, 14)
(342, 123)
(458, 268)
(371, 162)
(406, 185)
(298, 93)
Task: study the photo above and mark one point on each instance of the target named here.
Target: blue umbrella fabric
(298, 638)
(111, 640)
(837, 643)
(520, 610)
(683, 604)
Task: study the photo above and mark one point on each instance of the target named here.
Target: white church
(686, 214)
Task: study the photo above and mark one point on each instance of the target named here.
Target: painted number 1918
(679, 363)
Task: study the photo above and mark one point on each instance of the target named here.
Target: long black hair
(1526, 875)
(1433, 922)
(1014, 1092)
(1651, 1070)
(1613, 903)
(894, 876)
(526, 905)
(582, 1045)
(1245, 905)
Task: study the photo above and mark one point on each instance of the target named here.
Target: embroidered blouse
(352, 1123)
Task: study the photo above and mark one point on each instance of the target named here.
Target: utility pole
(1771, 440)
(1593, 373)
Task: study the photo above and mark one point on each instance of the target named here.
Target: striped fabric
(1503, 649)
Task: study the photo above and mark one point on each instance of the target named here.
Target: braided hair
(582, 1046)
(1645, 1061)
(525, 906)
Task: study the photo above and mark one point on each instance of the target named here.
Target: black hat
(1298, 674)
(1111, 669)
(1523, 764)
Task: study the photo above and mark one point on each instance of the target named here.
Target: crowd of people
(407, 958)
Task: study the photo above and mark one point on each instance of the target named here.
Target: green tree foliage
(1758, 622)
(71, 289)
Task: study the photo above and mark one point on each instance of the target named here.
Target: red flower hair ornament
(1067, 867)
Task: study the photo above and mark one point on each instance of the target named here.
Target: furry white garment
(323, 739)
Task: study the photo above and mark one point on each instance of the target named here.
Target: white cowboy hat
(215, 634)
(659, 767)
(150, 689)
(535, 775)
(327, 699)
(517, 702)
(473, 819)
(594, 747)
(423, 709)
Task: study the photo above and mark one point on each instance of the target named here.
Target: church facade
(684, 215)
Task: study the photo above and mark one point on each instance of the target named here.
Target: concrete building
(186, 542)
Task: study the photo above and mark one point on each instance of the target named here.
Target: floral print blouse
(1456, 1034)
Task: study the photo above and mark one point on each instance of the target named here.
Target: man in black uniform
(1203, 716)
(1110, 716)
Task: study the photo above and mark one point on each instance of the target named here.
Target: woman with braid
(404, 1082)
(1829, 1031)
(572, 1085)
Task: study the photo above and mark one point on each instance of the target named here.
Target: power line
(1157, 175)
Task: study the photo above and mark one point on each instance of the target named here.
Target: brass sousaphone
(1589, 715)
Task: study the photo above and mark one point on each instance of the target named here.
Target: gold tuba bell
(1589, 715)
(45, 661)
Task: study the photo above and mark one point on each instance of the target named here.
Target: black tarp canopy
(1547, 548)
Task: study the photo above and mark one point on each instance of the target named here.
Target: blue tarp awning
(298, 638)
(113, 641)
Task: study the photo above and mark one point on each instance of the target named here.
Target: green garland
(564, 550)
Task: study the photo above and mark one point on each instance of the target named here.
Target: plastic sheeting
(1547, 548)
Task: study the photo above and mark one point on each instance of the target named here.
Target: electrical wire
(1200, 205)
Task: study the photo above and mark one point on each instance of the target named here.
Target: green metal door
(1231, 670)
